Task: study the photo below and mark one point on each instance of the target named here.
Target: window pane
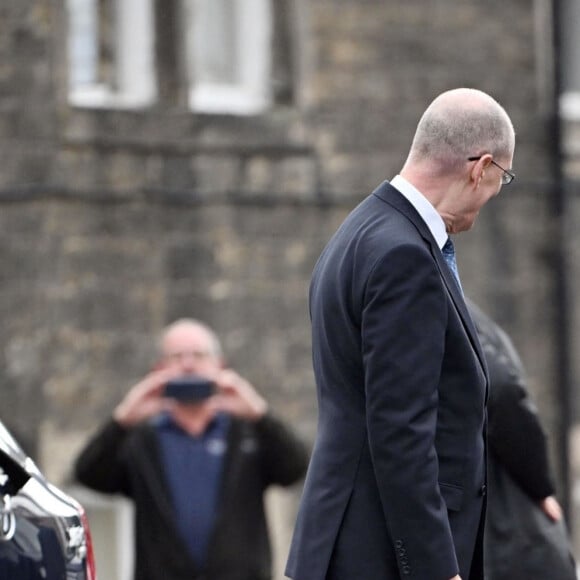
(214, 43)
(83, 42)
(228, 55)
(111, 53)
(571, 45)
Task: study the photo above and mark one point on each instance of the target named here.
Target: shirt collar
(423, 207)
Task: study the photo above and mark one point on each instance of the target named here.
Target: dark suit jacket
(395, 484)
(125, 461)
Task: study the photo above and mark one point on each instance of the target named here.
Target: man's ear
(479, 167)
(476, 174)
(486, 160)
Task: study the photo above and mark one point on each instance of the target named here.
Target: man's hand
(145, 399)
(237, 396)
(551, 508)
(458, 577)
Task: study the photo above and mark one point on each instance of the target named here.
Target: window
(110, 49)
(570, 54)
(228, 55)
(220, 51)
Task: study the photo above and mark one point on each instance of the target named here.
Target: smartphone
(189, 389)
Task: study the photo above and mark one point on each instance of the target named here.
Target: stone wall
(113, 223)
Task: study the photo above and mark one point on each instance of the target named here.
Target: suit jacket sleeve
(404, 322)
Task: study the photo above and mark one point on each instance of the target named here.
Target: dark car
(44, 533)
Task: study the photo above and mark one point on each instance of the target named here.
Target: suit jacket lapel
(393, 197)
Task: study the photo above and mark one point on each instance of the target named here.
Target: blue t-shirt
(193, 469)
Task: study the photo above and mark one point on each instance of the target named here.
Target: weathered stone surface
(113, 223)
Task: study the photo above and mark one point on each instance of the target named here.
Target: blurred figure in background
(525, 536)
(196, 469)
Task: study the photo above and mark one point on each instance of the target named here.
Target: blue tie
(448, 251)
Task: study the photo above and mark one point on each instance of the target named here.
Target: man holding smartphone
(194, 445)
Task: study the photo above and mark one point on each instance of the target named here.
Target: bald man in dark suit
(396, 483)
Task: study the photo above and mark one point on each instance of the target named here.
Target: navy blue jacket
(396, 482)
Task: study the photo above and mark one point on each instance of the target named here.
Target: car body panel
(44, 534)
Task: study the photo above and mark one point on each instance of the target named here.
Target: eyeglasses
(198, 355)
(507, 176)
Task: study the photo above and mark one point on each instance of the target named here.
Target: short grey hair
(461, 123)
(214, 342)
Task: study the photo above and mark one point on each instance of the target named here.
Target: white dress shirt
(424, 208)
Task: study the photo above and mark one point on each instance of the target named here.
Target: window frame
(252, 93)
(134, 83)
